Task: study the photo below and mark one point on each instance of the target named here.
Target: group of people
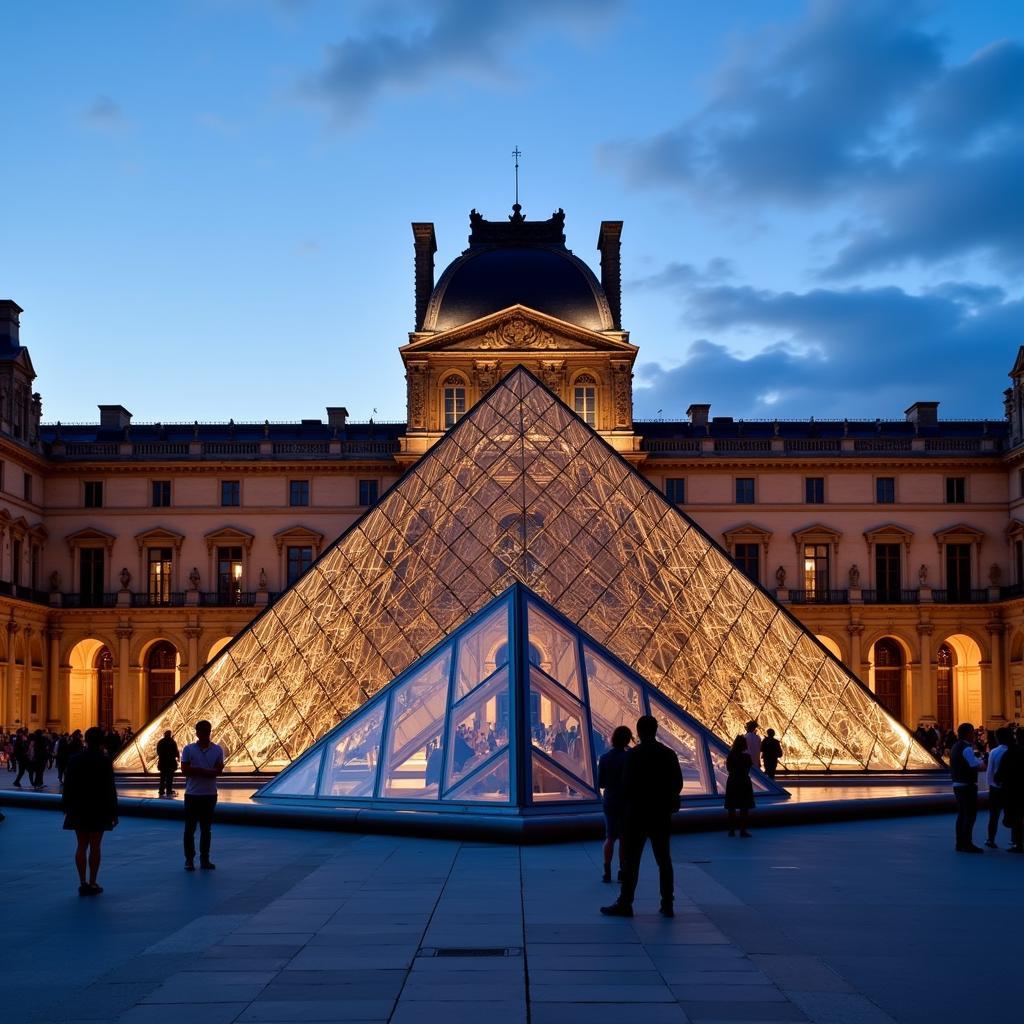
(89, 797)
(640, 791)
(34, 752)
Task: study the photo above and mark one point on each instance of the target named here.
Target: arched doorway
(830, 645)
(944, 688)
(85, 696)
(105, 688)
(161, 676)
(888, 673)
(965, 679)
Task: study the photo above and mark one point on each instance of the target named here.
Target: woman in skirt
(89, 801)
(739, 790)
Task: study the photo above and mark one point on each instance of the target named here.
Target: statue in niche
(193, 578)
(55, 581)
(854, 576)
(263, 579)
(126, 578)
(922, 575)
(780, 576)
(995, 574)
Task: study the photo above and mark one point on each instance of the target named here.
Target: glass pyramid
(522, 490)
(512, 710)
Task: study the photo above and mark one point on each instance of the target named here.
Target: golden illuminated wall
(522, 490)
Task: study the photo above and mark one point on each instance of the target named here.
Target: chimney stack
(424, 245)
(9, 322)
(609, 244)
(336, 415)
(114, 417)
(924, 414)
(699, 414)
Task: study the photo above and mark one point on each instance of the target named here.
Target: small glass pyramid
(512, 710)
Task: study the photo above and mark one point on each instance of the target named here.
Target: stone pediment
(519, 329)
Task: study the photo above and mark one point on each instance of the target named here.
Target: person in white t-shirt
(201, 763)
(996, 803)
(753, 744)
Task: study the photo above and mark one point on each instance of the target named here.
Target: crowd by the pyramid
(31, 753)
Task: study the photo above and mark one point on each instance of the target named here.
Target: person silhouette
(739, 791)
(610, 769)
(201, 763)
(651, 783)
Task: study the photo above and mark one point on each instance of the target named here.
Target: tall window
(17, 553)
(748, 559)
(814, 490)
(93, 494)
(90, 576)
(956, 490)
(816, 568)
(229, 575)
(34, 559)
(298, 493)
(367, 492)
(230, 493)
(885, 490)
(1018, 560)
(300, 558)
(958, 572)
(159, 575)
(675, 490)
(745, 490)
(584, 399)
(887, 571)
(161, 675)
(454, 401)
(161, 494)
(944, 687)
(105, 688)
(889, 676)
(28, 487)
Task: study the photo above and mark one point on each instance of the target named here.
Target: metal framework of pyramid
(513, 710)
(522, 490)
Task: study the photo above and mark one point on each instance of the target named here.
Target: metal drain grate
(471, 951)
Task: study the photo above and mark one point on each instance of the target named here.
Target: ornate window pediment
(747, 533)
(299, 535)
(817, 533)
(228, 536)
(889, 533)
(159, 537)
(959, 533)
(90, 537)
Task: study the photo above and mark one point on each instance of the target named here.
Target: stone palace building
(130, 553)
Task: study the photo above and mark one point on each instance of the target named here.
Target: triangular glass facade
(525, 731)
(521, 490)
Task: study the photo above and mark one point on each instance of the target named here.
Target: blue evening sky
(206, 203)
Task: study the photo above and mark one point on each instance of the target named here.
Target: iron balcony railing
(89, 600)
(886, 596)
(175, 599)
(227, 599)
(974, 596)
(24, 593)
(818, 596)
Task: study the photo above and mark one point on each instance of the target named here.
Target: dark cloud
(685, 275)
(855, 105)
(855, 352)
(405, 45)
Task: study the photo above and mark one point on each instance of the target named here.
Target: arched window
(105, 688)
(161, 675)
(454, 400)
(889, 676)
(584, 398)
(944, 687)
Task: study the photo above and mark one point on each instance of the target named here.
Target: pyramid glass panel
(552, 785)
(557, 727)
(689, 748)
(478, 727)
(353, 756)
(614, 699)
(522, 491)
(482, 650)
(555, 650)
(490, 784)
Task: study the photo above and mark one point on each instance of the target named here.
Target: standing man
(771, 753)
(201, 763)
(753, 744)
(996, 803)
(167, 762)
(963, 769)
(651, 784)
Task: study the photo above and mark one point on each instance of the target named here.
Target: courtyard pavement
(857, 923)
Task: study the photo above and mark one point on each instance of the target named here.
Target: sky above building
(207, 202)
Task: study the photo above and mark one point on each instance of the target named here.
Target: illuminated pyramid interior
(521, 490)
(513, 709)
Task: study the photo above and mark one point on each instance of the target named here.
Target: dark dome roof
(521, 262)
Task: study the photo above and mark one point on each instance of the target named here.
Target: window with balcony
(958, 572)
(885, 490)
(956, 490)
(27, 487)
(454, 399)
(17, 553)
(814, 490)
(675, 490)
(230, 570)
(158, 575)
(816, 569)
(300, 558)
(368, 492)
(161, 493)
(748, 559)
(888, 577)
(230, 493)
(745, 490)
(91, 576)
(584, 399)
(298, 493)
(93, 493)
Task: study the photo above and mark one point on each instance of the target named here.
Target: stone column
(855, 629)
(193, 633)
(995, 692)
(26, 678)
(11, 707)
(123, 690)
(56, 714)
(926, 702)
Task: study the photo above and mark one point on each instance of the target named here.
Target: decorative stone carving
(922, 575)
(854, 576)
(780, 576)
(55, 581)
(995, 574)
(263, 579)
(125, 578)
(486, 374)
(416, 378)
(552, 373)
(194, 578)
(517, 333)
(622, 393)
